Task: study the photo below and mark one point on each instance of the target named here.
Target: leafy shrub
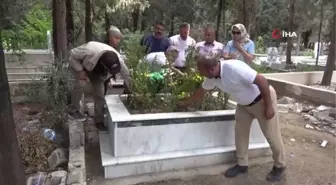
(160, 91)
(260, 45)
(309, 53)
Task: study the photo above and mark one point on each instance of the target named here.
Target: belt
(256, 100)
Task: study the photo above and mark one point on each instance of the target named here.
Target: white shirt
(156, 58)
(182, 46)
(214, 49)
(236, 79)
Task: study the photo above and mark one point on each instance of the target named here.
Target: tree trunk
(70, 24)
(245, 13)
(172, 26)
(144, 20)
(61, 46)
(136, 16)
(330, 66)
(298, 43)
(88, 22)
(11, 167)
(291, 25)
(54, 28)
(219, 17)
(319, 34)
(224, 20)
(107, 26)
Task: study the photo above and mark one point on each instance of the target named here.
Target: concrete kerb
(76, 164)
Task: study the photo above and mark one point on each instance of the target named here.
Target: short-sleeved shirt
(155, 45)
(182, 46)
(236, 79)
(248, 46)
(213, 50)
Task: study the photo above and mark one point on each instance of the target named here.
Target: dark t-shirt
(155, 45)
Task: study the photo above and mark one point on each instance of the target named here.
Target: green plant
(260, 45)
(160, 91)
(308, 52)
(262, 69)
(32, 30)
(57, 87)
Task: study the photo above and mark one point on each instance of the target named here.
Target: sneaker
(236, 170)
(76, 115)
(101, 126)
(275, 175)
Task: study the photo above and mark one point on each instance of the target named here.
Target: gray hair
(114, 31)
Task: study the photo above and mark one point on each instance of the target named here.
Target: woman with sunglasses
(240, 47)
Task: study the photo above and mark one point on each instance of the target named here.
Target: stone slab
(76, 164)
(116, 167)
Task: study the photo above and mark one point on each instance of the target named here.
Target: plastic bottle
(49, 134)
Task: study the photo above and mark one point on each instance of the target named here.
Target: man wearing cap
(96, 62)
(115, 37)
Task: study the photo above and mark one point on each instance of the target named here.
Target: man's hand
(82, 75)
(269, 112)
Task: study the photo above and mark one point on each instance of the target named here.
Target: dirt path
(308, 162)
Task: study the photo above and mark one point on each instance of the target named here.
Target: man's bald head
(208, 66)
(209, 35)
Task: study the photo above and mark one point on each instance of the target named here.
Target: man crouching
(96, 62)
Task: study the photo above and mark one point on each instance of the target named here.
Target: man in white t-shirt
(210, 47)
(182, 42)
(255, 98)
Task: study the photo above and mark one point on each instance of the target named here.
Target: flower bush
(159, 91)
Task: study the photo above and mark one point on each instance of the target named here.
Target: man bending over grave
(96, 62)
(255, 98)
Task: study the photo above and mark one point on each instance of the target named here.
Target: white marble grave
(151, 143)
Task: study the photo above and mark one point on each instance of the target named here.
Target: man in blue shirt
(157, 41)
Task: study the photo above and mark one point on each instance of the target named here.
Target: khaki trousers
(97, 83)
(270, 128)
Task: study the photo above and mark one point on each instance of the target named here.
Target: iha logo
(277, 34)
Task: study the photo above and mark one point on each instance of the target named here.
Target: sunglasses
(236, 32)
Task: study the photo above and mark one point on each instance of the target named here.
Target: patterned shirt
(214, 50)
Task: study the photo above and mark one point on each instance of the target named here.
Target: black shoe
(275, 175)
(76, 115)
(101, 126)
(236, 170)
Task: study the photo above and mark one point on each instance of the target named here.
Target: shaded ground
(30, 120)
(308, 162)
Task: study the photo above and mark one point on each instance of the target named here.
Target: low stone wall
(138, 144)
(28, 58)
(76, 164)
(296, 85)
(303, 78)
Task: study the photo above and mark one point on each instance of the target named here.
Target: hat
(111, 61)
(114, 31)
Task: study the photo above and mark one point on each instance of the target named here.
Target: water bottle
(49, 134)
